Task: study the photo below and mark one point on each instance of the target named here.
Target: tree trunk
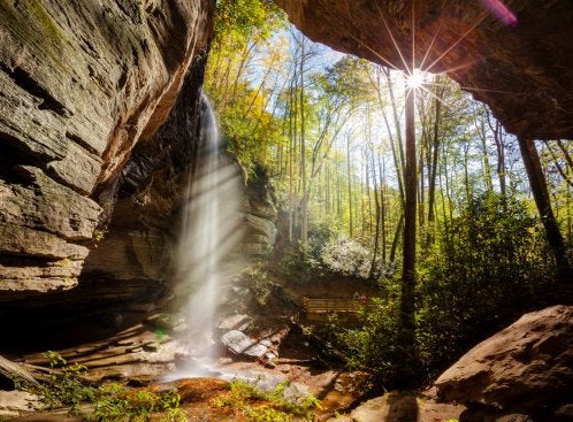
(382, 208)
(433, 162)
(350, 230)
(542, 200)
(304, 204)
(407, 303)
(378, 218)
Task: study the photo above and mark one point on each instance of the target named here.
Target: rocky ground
(150, 354)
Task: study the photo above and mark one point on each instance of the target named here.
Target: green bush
(109, 402)
(373, 346)
(489, 266)
(276, 405)
(348, 257)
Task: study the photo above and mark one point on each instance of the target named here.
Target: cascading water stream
(209, 231)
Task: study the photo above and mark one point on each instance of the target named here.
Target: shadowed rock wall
(81, 83)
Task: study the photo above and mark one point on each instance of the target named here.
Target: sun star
(416, 79)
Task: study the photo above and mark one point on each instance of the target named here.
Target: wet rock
(235, 322)
(200, 389)
(260, 216)
(241, 344)
(526, 367)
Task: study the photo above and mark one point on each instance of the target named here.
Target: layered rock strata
(81, 83)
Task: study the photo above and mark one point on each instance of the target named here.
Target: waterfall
(209, 230)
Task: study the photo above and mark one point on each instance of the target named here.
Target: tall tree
(540, 192)
(407, 301)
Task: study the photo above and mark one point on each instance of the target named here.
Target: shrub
(276, 405)
(488, 268)
(109, 402)
(348, 257)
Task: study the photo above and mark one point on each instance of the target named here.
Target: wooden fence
(329, 306)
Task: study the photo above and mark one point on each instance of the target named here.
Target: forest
(328, 131)
(286, 211)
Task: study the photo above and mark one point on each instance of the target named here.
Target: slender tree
(407, 339)
(540, 192)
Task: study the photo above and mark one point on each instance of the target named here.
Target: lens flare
(416, 79)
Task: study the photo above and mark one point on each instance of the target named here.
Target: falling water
(209, 231)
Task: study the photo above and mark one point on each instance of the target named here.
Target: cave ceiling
(514, 55)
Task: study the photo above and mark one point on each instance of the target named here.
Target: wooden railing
(338, 306)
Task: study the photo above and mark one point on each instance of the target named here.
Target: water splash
(209, 231)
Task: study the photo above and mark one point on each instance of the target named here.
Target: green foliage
(328, 253)
(250, 131)
(262, 287)
(116, 403)
(489, 267)
(109, 402)
(373, 346)
(276, 405)
(244, 18)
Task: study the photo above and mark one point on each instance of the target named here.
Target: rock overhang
(515, 56)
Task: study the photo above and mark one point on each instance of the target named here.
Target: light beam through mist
(209, 232)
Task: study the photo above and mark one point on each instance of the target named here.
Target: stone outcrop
(401, 407)
(135, 256)
(81, 84)
(526, 369)
(260, 217)
(513, 55)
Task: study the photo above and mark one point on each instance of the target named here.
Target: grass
(275, 405)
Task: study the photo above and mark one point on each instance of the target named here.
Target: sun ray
(480, 19)
(434, 38)
(364, 45)
(394, 42)
(459, 67)
(441, 100)
(471, 88)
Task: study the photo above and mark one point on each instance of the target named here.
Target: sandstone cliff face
(81, 83)
(135, 259)
(516, 56)
(260, 218)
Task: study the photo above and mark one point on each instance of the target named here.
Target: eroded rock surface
(401, 407)
(525, 369)
(513, 55)
(81, 83)
(260, 217)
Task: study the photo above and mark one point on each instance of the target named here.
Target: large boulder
(401, 407)
(527, 368)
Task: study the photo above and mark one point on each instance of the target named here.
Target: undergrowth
(275, 405)
(67, 387)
